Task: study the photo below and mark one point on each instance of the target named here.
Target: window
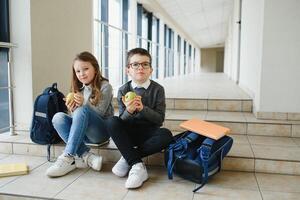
(178, 53)
(184, 57)
(111, 38)
(155, 46)
(4, 84)
(169, 52)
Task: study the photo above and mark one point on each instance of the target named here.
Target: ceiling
(204, 21)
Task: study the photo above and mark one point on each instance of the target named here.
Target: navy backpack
(45, 106)
(196, 157)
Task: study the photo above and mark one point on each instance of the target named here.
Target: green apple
(129, 96)
(70, 97)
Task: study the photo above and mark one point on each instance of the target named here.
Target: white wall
(59, 30)
(280, 84)
(20, 33)
(48, 34)
(209, 59)
(251, 48)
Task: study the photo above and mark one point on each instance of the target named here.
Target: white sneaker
(79, 163)
(63, 165)
(93, 161)
(121, 168)
(137, 176)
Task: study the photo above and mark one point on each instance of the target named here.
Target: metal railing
(9, 46)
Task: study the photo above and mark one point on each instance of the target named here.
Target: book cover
(13, 169)
(207, 129)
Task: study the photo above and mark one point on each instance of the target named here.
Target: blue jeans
(85, 125)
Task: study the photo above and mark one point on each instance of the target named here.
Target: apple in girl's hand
(70, 97)
(130, 95)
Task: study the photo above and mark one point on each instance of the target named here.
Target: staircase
(269, 146)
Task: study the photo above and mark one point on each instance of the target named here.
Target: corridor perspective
(234, 63)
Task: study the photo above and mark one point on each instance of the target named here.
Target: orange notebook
(207, 129)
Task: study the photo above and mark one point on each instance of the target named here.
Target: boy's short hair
(140, 51)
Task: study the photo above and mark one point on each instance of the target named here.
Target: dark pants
(136, 141)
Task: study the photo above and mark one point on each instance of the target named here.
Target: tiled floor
(88, 184)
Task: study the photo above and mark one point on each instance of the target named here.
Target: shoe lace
(135, 170)
(60, 162)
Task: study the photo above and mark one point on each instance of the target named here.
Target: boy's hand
(130, 105)
(138, 103)
(78, 99)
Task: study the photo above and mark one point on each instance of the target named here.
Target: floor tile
(267, 195)
(276, 152)
(241, 150)
(277, 167)
(95, 185)
(238, 164)
(38, 184)
(185, 114)
(278, 182)
(225, 116)
(217, 193)
(239, 139)
(32, 162)
(234, 180)
(162, 191)
(271, 141)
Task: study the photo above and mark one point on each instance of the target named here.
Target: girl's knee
(58, 118)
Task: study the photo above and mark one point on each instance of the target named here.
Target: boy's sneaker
(63, 165)
(92, 160)
(137, 176)
(121, 168)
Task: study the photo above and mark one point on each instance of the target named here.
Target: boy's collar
(143, 85)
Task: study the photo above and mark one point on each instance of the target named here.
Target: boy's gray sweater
(154, 103)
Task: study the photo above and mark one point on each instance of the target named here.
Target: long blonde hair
(95, 84)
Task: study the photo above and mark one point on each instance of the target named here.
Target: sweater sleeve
(157, 113)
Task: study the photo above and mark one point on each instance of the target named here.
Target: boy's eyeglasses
(145, 65)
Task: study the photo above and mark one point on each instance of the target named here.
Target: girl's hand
(78, 99)
(71, 106)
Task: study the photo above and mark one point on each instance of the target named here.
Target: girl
(92, 104)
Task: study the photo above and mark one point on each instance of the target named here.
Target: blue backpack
(196, 157)
(45, 106)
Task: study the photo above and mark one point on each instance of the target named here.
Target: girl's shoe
(92, 160)
(63, 165)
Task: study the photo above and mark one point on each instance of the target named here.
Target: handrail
(9, 46)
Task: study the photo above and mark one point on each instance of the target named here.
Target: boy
(136, 132)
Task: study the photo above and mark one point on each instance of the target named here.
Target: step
(232, 105)
(267, 154)
(239, 122)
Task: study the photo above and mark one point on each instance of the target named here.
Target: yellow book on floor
(13, 169)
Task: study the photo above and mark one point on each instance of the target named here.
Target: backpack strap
(204, 152)
(181, 144)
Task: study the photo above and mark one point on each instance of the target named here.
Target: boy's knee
(167, 135)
